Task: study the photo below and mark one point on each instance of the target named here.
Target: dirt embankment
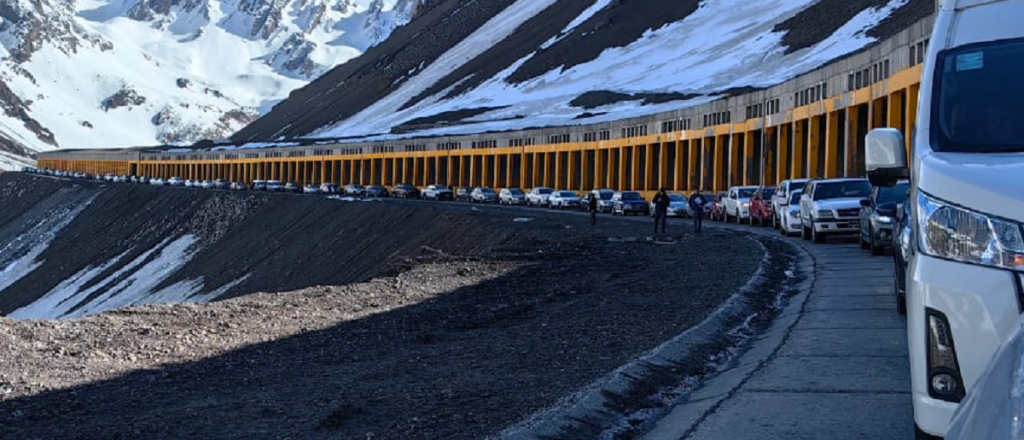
(455, 341)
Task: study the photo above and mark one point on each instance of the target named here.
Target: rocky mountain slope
(511, 64)
(106, 73)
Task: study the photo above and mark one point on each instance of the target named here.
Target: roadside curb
(607, 403)
(688, 413)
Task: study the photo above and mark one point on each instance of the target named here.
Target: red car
(761, 206)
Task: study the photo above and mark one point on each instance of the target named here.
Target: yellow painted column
(735, 179)
(651, 175)
(508, 171)
(798, 154)
(852, 121)
(896, 110)
(782, 151)
(694, 173)
(813, 147)
(721, 143)
(472, 170)
(749, 161)
(635, 183)
(570, 173)
(677, 178)
(832, 129)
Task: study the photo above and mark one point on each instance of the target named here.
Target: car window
(895, 194)
(546, 190)
(606, 195)
(833, 190)
(794, 197)
(631, 196)
(676, 198)
(745, 193)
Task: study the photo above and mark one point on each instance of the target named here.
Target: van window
(976, 94)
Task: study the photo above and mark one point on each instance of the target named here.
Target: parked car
(292, 187)
(878, 216)
(677, 205)
(761, 205)
(405, 191)
(791, 224)
(206, 184)
(354, 190)
(512, 196)
(737, 203)
(311, 189)
(483, 195)
(832, 207)
(964, 264)
(464, 194)
(259, 185)
(221, 184)
(275, 186)
(173, 181)
(158, 182)
(604, 200)
(718, 207)
(328, 188)
(900, 251)
(190, 183)
(708, 205)
(563, 200)
(782, 198)
(538, 196)
(628, 202)
(436, 192)
(239, 186)
(375, 191)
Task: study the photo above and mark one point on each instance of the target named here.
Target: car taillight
(944, 379)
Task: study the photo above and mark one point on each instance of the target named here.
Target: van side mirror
(886, 157)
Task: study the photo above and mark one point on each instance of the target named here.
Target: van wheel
(804, 233)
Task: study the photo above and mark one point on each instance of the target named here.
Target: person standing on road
(661, 202)
(697, 202)
(592, 207)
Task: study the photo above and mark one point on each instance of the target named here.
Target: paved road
(833, 366)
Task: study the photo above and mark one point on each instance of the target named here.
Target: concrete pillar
(832, 145)
(813, 147)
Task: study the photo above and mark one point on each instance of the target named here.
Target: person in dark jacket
(697, 202)
(592, 207)
(661, 202)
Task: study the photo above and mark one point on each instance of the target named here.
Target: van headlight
(958, 234)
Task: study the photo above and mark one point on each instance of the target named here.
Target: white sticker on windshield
(970, 61)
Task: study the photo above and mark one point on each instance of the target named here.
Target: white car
(563, 200)
(190, 183)
(782, 199)
(677, 204)
(790, 224)
(206, 184)
(275, 186)
(157, 182)
(176, 181)
(831, 207)
(511, 196)
(436, 192)
(965, 266)
(737, 203)
(538, 196)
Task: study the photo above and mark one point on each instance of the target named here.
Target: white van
(965, 264)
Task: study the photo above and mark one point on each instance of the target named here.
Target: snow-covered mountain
(514, 64)
(110, 73)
